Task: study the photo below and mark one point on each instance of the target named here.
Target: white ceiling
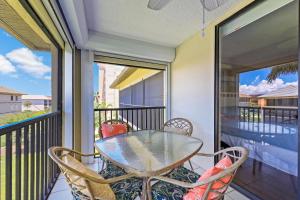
(132, 19)
(270, 40)
(128, 27)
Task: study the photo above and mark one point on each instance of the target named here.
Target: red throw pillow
(109, 130)
(198, 192)
(224, 163)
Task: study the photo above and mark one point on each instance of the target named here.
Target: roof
(247, 95)
(127, 71)
(288, 91)
(36, 97)
(6, 90)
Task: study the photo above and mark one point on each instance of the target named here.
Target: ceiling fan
(209, 5)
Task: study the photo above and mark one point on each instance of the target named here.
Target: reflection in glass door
(258, 96)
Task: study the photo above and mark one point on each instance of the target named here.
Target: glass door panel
(258, 96)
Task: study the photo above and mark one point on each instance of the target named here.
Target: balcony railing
(272, 115)
(139, 118)
(26, 172)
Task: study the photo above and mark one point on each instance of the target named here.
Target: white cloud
(27, 61)
(255, 80)
(47, 77)
(264, 86)
(6, 67)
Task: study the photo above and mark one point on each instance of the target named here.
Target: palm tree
(282, 69)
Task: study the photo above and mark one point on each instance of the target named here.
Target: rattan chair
(176, 184)
(112, 121)
(180, 126)
(86, 184)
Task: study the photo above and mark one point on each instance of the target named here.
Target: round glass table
(148, 153)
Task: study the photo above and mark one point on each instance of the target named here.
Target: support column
(87, 105)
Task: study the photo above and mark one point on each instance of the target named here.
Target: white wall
(192, 83)
(192, 87)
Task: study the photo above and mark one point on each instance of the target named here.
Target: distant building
(36, 102)
(248, 100)
(107, 74)
(283, 97)
(140, 87)
(10, 100)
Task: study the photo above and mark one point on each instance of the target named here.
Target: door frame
(217, 138)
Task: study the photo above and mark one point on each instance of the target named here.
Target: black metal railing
(26, 172)
(139, 118)
(274, 115)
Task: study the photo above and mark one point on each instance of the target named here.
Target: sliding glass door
(257, 79)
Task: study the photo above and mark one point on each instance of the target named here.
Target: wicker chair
(180, 126)
(176, 184)
(112, 121)
(87, 184)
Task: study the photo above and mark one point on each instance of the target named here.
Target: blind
(130, 61)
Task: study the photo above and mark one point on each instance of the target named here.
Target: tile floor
(61, 190)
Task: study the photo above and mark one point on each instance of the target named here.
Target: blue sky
(254, 77)
(15, 72)
(26, 70)
(254, 82)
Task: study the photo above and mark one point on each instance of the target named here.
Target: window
(11, 98)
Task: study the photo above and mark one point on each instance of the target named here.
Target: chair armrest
(173, 181)
(205, 154)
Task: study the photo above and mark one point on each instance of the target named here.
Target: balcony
(204, 58)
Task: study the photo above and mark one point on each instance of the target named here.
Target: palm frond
(283, 69)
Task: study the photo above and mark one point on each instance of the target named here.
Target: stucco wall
(192, 82)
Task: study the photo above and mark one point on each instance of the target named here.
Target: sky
(23, 69)
(254, 82)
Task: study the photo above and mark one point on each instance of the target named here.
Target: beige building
(10, 100)
(107, 74)
(36, 102)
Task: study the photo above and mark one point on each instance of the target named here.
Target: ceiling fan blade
(157, 4)
(212, 4)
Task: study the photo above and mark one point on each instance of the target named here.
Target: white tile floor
(61, 190)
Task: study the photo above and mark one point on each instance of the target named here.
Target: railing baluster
(8, 166)
(50, 145)
(37, 163)
(32, 160)
(42, 158)
(146, 118)
(151, 119)
(26, 152)
(137, 119)
(46, 155)
(18, 164)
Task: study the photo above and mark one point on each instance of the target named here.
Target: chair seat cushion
(167, 191)
(127, 189)
(183, 174)
(109, 130)
(111, 171)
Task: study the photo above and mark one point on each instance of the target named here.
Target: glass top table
(148, 152)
